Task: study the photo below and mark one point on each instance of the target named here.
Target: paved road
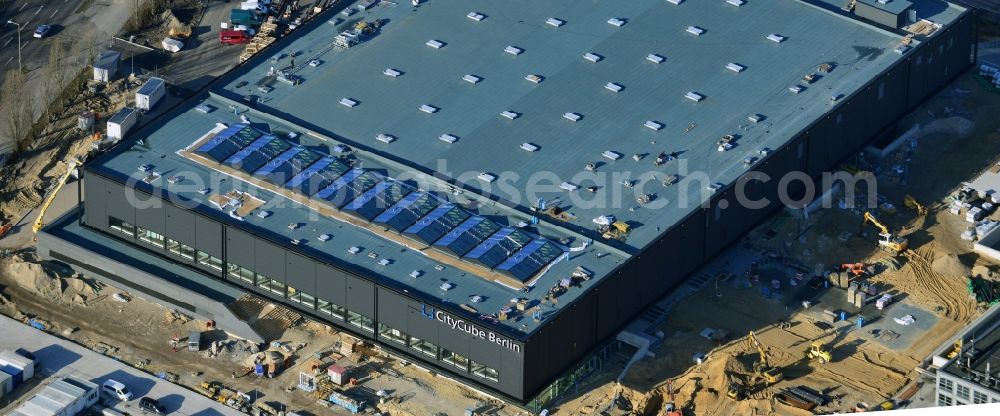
(61, 14)
(60, 357)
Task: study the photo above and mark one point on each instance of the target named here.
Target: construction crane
(817, 352)
(886, 241)
(762, 369)
(911, 203)
(40, 221)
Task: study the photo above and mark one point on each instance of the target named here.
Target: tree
(55, 75)
(18, 102)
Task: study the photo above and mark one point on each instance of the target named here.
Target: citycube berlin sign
(461, 325)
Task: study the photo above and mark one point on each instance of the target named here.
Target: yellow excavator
(886, 241)
(911, 203)
(762, 369)
(40, 221)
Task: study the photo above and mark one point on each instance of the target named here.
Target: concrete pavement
(60, 357)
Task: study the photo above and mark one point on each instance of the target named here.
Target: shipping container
(123, 121)
(150, 93)
(106, 65)
(6, 384)
(20, 368)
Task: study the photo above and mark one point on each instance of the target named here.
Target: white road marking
(53, 14)
(8, 60)
(39, 9)
(23, 6)
(7, 42)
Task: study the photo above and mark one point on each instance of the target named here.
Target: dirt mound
(949, 265)
(31, 276)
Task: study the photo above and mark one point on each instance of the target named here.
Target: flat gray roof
(611, 121)
(162, 141)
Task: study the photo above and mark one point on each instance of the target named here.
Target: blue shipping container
(16, 374)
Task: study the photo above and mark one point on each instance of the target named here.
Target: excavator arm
(871, 218)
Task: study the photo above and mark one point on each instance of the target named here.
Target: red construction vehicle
(857, 269)
(5, 229)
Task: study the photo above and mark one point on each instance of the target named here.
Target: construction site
(281, 237)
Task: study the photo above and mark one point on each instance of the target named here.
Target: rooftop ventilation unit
(695, 30)
(533, 78)
(324, 237)
(429, 109)
(736, 3)
(654, 58)
(775, 38)
(693, 96)
(392, 72)
(509, 114)
(448, 138)
(611, 154)
(592, 57)
(476, 16)
(569, 186)
(555, 22)
(531, 147)
(416, 273)
(487, 177)
(611, 86)
(755, 118)
(675, 1)
(436, 44)
(385, 138)
(735, 67)
(446, 286)
(384, 262)
(572, 116)
(472, 79)
(354, 250)
(616, 22)
(901, 49)
(513, 50)
(796, 89)
(655, 125)
(204, 108)
(347, 102)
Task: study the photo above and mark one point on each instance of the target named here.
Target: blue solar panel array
(383, 201)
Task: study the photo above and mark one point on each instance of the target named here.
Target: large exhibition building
(494, 189)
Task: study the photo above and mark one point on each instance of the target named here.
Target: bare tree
(18, 101)
(55, 76)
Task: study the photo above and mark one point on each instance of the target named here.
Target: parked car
(42, 30)
(116, 390)
(150, 405)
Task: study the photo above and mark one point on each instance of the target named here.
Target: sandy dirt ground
(932, 278)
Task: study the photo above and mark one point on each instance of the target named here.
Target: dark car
(42, 30)
(149, 405)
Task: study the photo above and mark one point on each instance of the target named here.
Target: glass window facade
(331, 309)
(360, 321)
(962, 392)
(391, 334)
(425, 347)
(304, 299)
(239, 273)
(455, 359)
(946, 385)
(209, 261)
(121, 226)
(979, 397)
(944, 400)
(267, 284)
(181, 250)
(483, 371)
(150, 237)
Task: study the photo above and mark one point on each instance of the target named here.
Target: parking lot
(58, 357)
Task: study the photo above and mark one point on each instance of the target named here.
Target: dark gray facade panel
(181, 224)
(725, 220)
(331, 284)
(209, 236)
(394, 311)
(118, 202)
(300, 272)
(885, 98)
(360, 296)
(240, 247)
(95, 197)
(151, 217)
(269, 260)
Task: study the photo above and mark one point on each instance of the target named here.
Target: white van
(117, 390)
